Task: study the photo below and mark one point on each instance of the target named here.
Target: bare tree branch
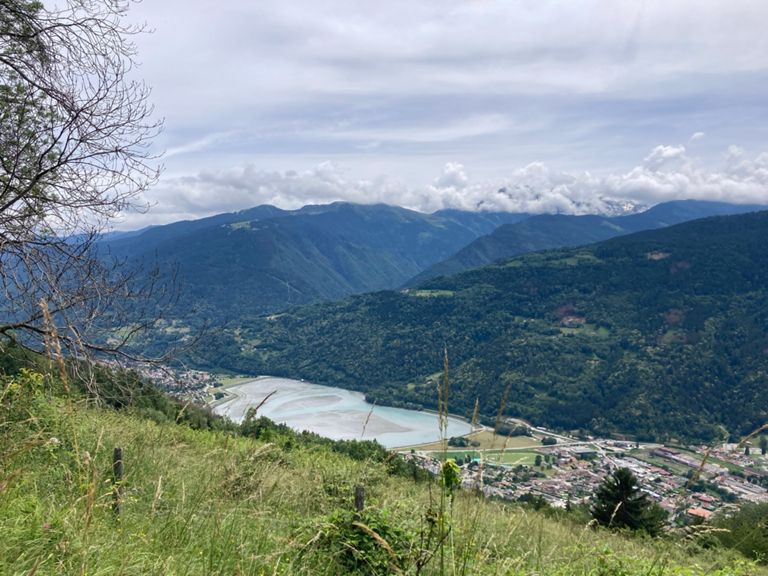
(75, 135)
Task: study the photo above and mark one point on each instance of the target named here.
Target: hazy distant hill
(662, 332)
(549, 231)
(266, 259)
(150, 238)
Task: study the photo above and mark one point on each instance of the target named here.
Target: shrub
(746, 531)
(366, 542)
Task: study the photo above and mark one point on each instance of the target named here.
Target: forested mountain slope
(548, 231)
(266, 259)
(659, 333)
(153, 237)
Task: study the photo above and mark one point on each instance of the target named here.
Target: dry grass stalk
(751, 435)
(381, 542)
(442, 397)
(613, 514)
(53, 344)
(158, 495)
(478, 482)
(697, 473)
(502, 407)
(367, 418)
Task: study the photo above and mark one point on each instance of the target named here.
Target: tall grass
(215, 503)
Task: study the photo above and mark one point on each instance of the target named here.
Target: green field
(512, 458)
(234, 380)
(508, 457)
(487, 439)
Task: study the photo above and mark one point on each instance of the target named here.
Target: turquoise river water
(335, 413)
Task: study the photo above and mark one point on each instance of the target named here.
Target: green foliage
(655, 334)
(619, 503)
(745, 530)
(265, 259)
(266, 430)
(450, 475)
(535, 501)
(458, 441)
(21, 398)
(200, 501)
(519, 430)
(368, 542)
(548, 231)
(126, 390)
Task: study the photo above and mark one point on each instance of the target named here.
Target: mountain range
(266, 259)
(547, 231)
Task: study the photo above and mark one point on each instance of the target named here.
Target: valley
(383, 288)
(606, 338)
(690, 482)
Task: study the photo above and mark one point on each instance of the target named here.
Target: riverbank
(225, 389)
(332, 412)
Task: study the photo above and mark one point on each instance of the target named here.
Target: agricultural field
(506, 457)
(488, 440)
(233, 380)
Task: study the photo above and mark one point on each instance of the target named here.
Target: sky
(572, 106)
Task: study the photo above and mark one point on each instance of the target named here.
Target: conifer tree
(619, 503)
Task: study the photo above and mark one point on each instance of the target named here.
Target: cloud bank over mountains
(668, 172)
(514, 104)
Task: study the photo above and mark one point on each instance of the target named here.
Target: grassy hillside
(655, 334)
(206, 502)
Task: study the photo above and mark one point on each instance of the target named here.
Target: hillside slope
(199, 502)
(659, 333)
(265, 259)
(548, 231)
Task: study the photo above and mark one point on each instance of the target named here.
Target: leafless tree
(75, 135)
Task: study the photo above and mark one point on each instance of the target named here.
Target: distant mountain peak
(525, 198)
(613, 207)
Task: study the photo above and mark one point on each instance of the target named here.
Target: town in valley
(541, 466)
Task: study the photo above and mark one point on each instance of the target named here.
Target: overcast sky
(524, 105)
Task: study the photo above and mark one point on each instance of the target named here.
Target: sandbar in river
(335, 413)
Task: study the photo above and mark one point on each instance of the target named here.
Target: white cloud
(665, 174)
(257, 52)
(474, 125)
(201, 144)
(454, 176)
(662, 155)
(405, 87)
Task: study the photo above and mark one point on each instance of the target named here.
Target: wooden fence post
(359, 498)
(117, 480)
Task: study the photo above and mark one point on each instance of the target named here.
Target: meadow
(216, 502)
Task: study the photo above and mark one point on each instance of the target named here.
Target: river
(335, 413)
